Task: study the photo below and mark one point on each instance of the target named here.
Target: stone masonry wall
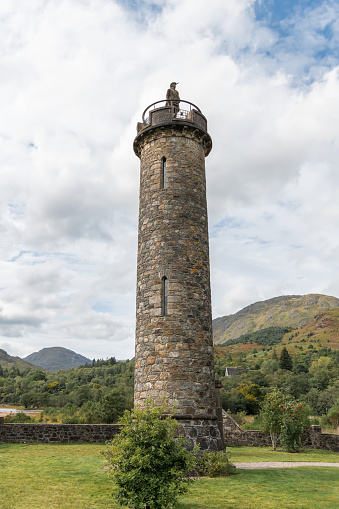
(58, 433)
(174, 353)
(203, 432)
(254, 438)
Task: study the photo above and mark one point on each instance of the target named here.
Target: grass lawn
(43, 476)
(297, 488)
(242, 454)
(48, 476)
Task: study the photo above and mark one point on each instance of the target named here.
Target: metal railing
(179, 114)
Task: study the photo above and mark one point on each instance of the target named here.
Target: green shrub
(51, 411)
(18, 417)
(215, 464)
(146, 461)
(295, 420)
(69, 414)
(75, 419)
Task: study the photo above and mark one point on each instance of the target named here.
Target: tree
(285, 360)
(253, 395)
(26, 400)
(321, 370)
(271, 415)
(333, 416)
(270, 366)
(147, 463)
(112, 406)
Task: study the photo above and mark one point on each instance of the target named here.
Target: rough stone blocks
(174, 348)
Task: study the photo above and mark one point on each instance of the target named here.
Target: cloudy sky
(75, 78)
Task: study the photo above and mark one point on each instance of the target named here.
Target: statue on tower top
(172, 97)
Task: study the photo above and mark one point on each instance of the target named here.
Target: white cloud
(75, 78)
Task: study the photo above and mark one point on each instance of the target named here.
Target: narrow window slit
(163, 173)
(164, 295)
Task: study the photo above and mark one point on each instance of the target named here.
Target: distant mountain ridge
(285, 311)
(8, 361)
(57, 357)
(293, 311)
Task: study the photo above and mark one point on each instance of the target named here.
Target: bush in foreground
(215, 464)
(147, 462)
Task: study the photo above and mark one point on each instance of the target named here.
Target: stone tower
(174, 348)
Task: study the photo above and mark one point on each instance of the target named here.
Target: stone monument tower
(174, 349)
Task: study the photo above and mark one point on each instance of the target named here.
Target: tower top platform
(160, 114)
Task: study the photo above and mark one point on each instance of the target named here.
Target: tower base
(203, 432)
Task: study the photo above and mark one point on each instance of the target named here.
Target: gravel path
(283, 464)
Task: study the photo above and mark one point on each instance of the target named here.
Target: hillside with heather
(292, 311)
(322, 332)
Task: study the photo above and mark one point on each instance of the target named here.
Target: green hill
(318, 337)
(7, 361)
(56, 357)
(293, 311)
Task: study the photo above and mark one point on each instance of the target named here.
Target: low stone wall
(57, 433)
(101, 433)
(327, 441)
(311, 438)
(246, 438)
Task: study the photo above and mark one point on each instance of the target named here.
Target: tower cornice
(169, 129)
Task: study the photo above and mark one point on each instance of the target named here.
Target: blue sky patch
(101, 307)
(139, 6)
(306, 35)
(274, 11)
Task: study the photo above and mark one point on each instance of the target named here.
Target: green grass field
(42, 476)
(242, 454)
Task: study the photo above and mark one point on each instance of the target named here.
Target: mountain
(7, 361)
(320, 334)
(56, 357)
(287, 311)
